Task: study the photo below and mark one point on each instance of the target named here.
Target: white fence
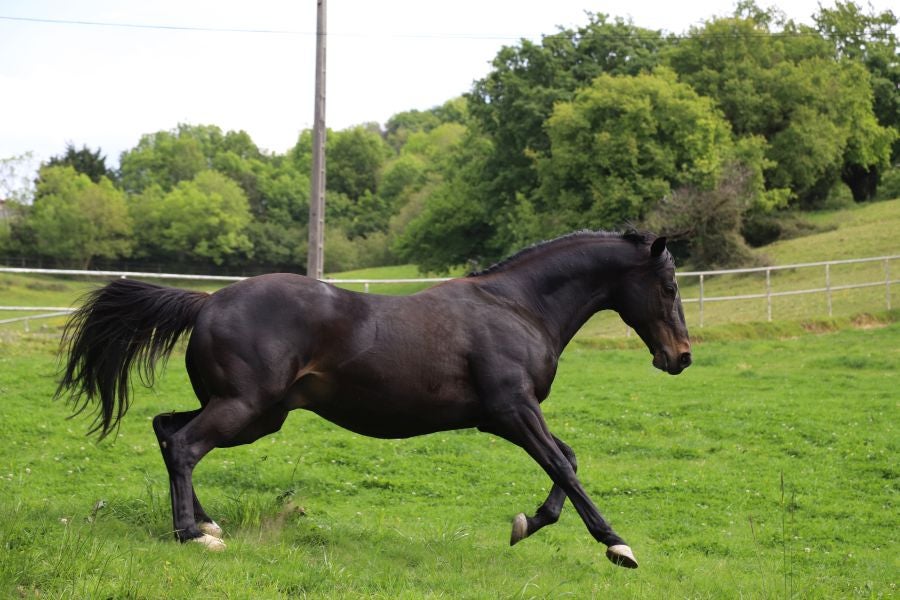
(767, 293)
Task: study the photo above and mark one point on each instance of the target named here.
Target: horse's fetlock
(187, 534)
(547, 516)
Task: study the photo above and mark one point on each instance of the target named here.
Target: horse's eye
(670, 289)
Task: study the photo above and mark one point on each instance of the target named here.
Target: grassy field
(767, 470)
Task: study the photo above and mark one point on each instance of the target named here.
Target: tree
(508, 109)
(870, 40)
(513, 101)
(74, 218)
(355, 159)
(166, 158)
(813, 112)
(453, 228)
(162, 159)
(624, 143)
(401, 125)
(205, 218)
(90, 163)
(707, 222)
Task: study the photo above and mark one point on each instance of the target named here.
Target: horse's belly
(385, 411)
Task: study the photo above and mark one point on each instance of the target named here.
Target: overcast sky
(105, 86)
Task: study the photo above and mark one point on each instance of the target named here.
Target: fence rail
(768, 294)
(703, 278)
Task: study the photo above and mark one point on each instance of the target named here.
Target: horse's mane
(631, 235)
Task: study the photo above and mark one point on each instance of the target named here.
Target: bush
(839, 196)
(374, 250)
(889, 186)
(709, 221)
(341, 254)
(760, 229)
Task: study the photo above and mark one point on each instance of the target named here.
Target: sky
(105, 86)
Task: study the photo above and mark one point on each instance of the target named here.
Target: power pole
(315, 258)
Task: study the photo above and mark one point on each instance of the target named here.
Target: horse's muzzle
(672, 365)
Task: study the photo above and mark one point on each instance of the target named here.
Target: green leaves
(623, 143)
(205, 217)
(814, 112)
(73, 217)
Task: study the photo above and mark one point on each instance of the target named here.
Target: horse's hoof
(519, 529)
(211, 528)
(621, 555)
(213, 544)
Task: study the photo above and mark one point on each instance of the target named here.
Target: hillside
(862, 231)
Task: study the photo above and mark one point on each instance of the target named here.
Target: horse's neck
(565, 288)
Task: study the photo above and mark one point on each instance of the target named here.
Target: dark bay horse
(479, 351)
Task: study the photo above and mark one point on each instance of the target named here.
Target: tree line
(718, 137)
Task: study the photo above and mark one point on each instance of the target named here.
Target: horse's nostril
(686, 360)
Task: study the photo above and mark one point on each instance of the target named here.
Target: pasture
(767, 470)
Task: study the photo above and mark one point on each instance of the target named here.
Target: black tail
(122, 324)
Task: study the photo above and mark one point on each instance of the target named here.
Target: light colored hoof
(621, 555)
(213, 544)
(519, 529)
(212, 528)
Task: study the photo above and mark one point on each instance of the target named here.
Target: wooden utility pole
(316, 255)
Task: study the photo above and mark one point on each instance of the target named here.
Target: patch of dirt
(818, 326)
(867, 321)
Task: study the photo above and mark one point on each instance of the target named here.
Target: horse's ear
(658, 246)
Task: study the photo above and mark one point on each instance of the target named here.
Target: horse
(479, 351)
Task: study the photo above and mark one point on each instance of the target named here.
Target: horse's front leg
(523, 424)
(548, 513)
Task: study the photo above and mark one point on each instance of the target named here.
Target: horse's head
(649, 303)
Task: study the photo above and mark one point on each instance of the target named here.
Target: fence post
(887, 283)
(701, 299)
(769, 295)
(366, 287)
(828, 286)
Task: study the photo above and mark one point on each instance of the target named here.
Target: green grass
(863, 230)
(689, 470)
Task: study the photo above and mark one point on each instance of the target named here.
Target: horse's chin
(662, 362)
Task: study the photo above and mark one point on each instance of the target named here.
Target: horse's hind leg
(165, 425)
(168, 424)
(220, 423)
(548, 513)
